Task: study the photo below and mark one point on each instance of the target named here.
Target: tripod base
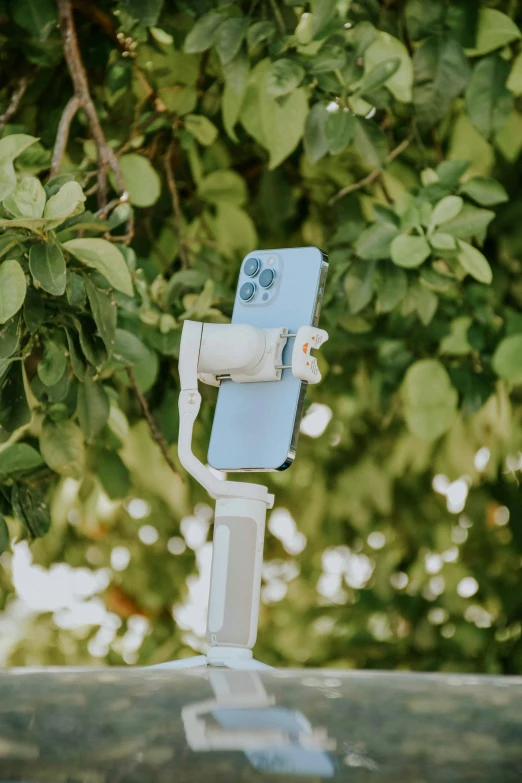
(226, 657)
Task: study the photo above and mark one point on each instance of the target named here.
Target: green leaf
(18, 458)
(391, 285)
(113, 474)
(424, 18)
(27, 199)
(514, 82)
(359, 285)
(31, 508)
(456, 343)
(379, 75)
(146, 11)
(128, 348)
(340, 129)
(62, 447)
(234, 229)
(283, 76)
(203, 34)
(236, 74)
(475, 263)
(4, 535)
(66, 202)
(104, 312)
(224, 185)
(47, 266)
(486, 191)
(75, 289)
(462, 20)
(507, 359)
(471, 223)
(429, 399)
(31, 224)
(9, 337)
(495, 30)
(447, 209)
(449, 172)
(315, 141)
(441, 73)
(75, 354)
(278, 125)
(12, 289)
(259, 32)
(35, 16)
(13, 145)
(409, 251)
(34, 310)
(509, 140)
(91, 345)
(141, 180)
(106, 258)
(330, 58)
(201, 128)
(375, 241)
(488, 101)
(441, 241)
(228, 37)
(426, 303)
(230, 108)
(371, 143)
(53, 364)
(14, 410)
(7, 179)
(179, 100)
(93, 407)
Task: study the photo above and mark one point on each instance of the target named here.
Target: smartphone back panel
(254, 423)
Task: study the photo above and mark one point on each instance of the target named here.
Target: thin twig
(279, 17)
(106, 156)
(62, 135)
(154, 431)
(14, 103)
(373, 175)
(176, 207)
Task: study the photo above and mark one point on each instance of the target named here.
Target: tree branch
(373, 175)
(106, 156)
(176, 208)
(154, 431)
(15, 101)
(62, 135)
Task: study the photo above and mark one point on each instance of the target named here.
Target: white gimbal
(243, 354)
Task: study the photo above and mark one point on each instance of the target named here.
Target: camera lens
(266, 278)
(247, 291)
(251, 267)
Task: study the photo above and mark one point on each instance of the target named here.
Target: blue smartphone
(256, 425)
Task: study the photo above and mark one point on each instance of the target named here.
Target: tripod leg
(184, 663)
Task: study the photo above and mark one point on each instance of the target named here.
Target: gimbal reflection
(243, 717)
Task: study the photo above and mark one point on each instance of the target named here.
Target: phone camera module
(266, 278)
(247, 291)
(251, 266)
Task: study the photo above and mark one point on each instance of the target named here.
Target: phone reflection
(243, 717)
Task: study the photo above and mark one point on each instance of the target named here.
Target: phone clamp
(243, 354)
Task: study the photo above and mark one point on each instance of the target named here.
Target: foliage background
(387, 133)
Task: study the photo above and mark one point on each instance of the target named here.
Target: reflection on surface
(154, 726)
(274, 739)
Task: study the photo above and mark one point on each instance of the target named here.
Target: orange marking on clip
(305, 348)
(313, 338)
(308, 364)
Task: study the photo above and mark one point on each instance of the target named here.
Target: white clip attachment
(304, 365)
